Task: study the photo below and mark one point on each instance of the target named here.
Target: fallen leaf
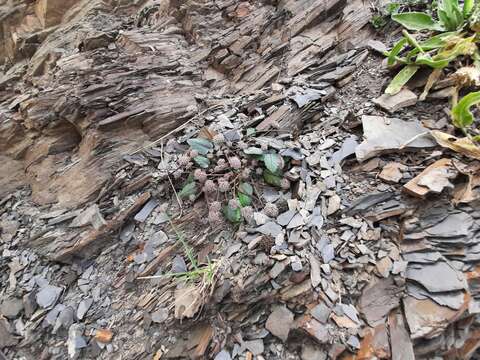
(206, 133)
(432, 79)
(202, 146)
(103, 335)
(204, 340)
(467, 76)
(187, 302)
(434, 178)
(468, 192)
(464, 146)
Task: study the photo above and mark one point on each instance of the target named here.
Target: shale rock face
(177, 179)
(86, 82)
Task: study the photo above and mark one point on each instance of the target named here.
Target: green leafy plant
(451, 39)
(378, 21)
(450, 17)
(224, 174)
(461, 114)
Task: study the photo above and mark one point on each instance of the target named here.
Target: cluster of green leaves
(462, 116)
(452, 37)
(244, 196)
(203, 147)
(273, 165)
(380, 17)
(451, 16)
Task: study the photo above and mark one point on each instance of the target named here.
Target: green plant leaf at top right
(417, 21)
(461, 114)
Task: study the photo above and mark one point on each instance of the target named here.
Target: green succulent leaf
(464, 46)
(189, 189)
(417, 21)
(458, 15)
(245, 192)
(435, 42)
(468, 6)
(425, 59)
(438, 41)
(246, 188)
(461, 114)
(397, 48)
(401, 79)
(202, 161)
(450, 15)
(245, 200)
(232, 215)
(412, 41)
(273, 162)
(272, 179)
(445, 19)
(203, 146)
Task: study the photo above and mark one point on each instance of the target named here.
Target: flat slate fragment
(48, 296)
(11, 308)
(348, 148)
(384, 134)
(255, 346)
(368, 201)
(284, 218)
(280, 322)
(83, 308)
(392, 103)
(315, 274)
(426, 318)
(401, 345)
(453, 299)
(6, 335)
(454, 225)
(436, 277)
(147, 209)
(321, 312)
(378, 300)
(270, 228)
(223, 355)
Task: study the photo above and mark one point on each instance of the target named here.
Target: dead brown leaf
(464, 146)
(434, 178)
(103, 335)
(206, 133)
(468, 192)
(188, 301)
(432, 79)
